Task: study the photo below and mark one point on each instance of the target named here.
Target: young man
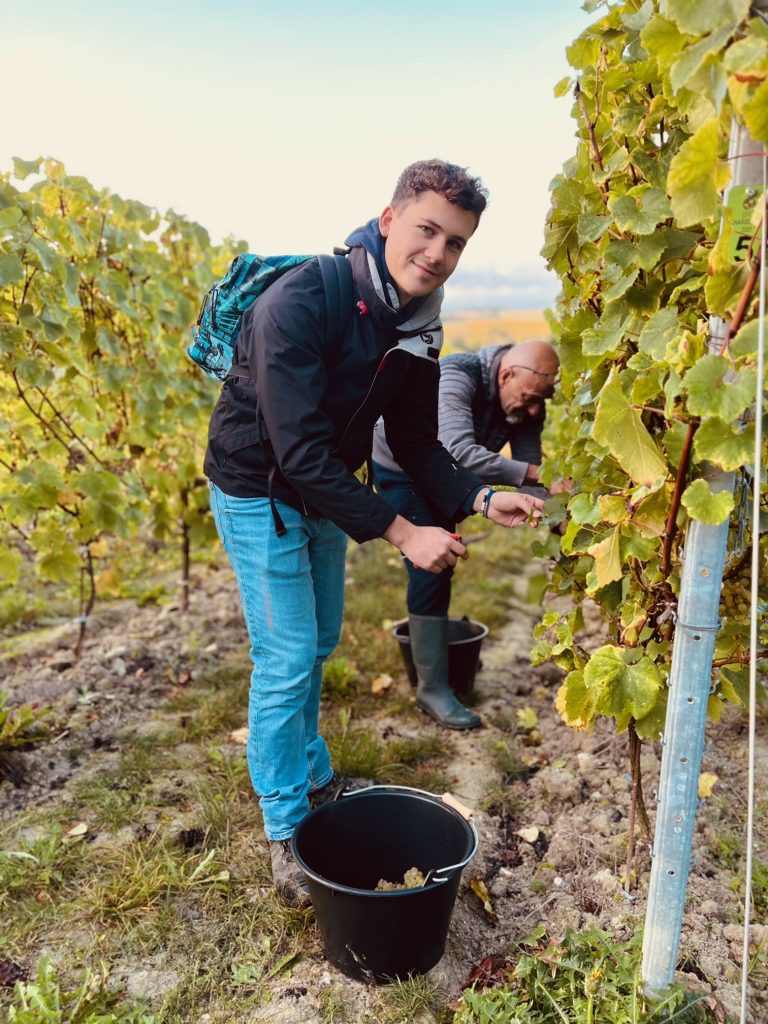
(487, 399)
(294, 421)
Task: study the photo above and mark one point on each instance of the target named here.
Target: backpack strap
(336, 273)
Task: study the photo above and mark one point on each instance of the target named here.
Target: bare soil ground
(551, 804)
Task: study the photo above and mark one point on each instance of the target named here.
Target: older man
(486, 400)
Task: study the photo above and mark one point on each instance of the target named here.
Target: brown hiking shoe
(333, 790)
(289, 880)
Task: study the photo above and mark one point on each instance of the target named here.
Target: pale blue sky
(287, 123)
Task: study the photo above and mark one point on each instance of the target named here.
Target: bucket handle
(433, 875)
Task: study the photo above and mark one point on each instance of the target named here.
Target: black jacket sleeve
(410, 425)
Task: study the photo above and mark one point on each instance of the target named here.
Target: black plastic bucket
(381, 832)
(465, 638)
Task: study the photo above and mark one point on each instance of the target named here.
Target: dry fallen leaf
(527, 718)
(79, 829)
(707, 782)
(529, 835)
(239, 735)
(381, 683)
(479, 888)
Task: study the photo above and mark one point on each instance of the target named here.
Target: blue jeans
(428, 593)
(292, 593)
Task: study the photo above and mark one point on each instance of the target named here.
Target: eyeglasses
(539, 373)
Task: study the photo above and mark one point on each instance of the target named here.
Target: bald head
(533, 355)
(526, 377)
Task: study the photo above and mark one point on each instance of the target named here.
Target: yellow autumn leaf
(479, 888)
(607, 556)
(707, 782)
(381, 684)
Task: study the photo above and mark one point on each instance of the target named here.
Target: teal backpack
(215, 333)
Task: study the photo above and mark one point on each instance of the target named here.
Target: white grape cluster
(736, 597)
(412, 879)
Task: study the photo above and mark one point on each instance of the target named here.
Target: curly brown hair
(447, 180)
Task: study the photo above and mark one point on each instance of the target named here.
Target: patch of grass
(588, 977)
(41, 867)
(354, 751)
(508, 761)
(228, 962)
(404, 1002)
(338, 676)
(225, 802)
(117, 796)
(91, 1001)
(19, 723)
(216, 703)
(727, 850)
(40, 871)
(358, 752)
(418, 762)
(127, 882)
(333, 1006)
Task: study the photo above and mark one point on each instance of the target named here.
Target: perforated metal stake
(689, 687)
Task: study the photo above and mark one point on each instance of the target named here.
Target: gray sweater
(472, 424)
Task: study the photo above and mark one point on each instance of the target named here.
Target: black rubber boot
(429, 648)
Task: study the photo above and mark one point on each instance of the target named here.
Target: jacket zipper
(379, 368)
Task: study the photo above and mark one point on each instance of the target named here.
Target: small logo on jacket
(362, 309)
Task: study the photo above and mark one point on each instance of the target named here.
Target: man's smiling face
(424, 240)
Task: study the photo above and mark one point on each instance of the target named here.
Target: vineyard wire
(755, 596)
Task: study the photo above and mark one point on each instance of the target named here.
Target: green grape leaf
(10, 562)
(613, 508)
(590, 227)
(621, 286)
(10, 217)
(723, 290)
(663, 39)
(11, 268)
(755, 113)
(745, 342)
(659, 329)
(714, 389)
(619, 428)
(697, 18)
(748, 54)
(606, 335)
(702, 504)
(23, 168)
(692, 58)
(724, 445)
(651, 726)
(638, 19)
(624, 683)
(563, 87)
(693, 182)
(582, 510)
(57, 556)
(641, 209)
(575, 702)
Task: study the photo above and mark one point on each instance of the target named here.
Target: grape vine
(646, 251)
(102, 417)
